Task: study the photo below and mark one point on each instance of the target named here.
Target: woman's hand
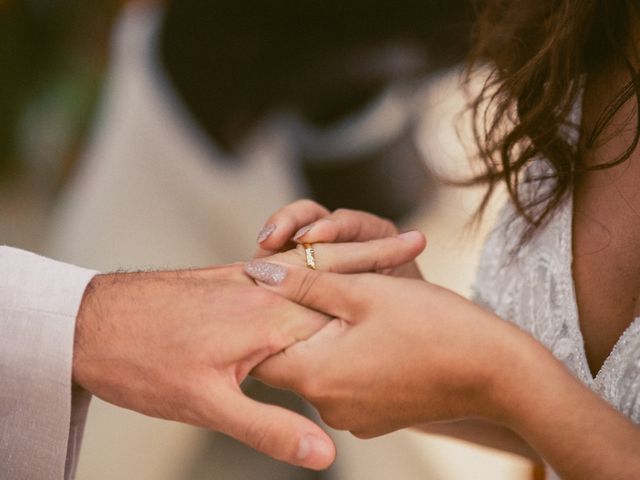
(384, 254)
(306, 221)
(400, 352)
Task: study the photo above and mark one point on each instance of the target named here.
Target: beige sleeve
(39, 433)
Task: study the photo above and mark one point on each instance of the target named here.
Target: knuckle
(295, 256)
(345, 216)
(265, 299)
(276, 341)
(341, 212)
(235, 273)
(386, 225)
(191, 400)
(306, 203)
(258, 435)
(304, 291)
(378, 262)
(292, 207)
(361, 283)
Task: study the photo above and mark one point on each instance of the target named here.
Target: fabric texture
(39, 301)
(532, 286)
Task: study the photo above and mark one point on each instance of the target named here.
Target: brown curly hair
(539, 53)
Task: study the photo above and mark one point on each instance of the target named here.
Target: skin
(127, 350)
(535, 407)
(606, 224)
(417, 374)
(176, 345)
(323, 226)
(567, 424)
(346, 225)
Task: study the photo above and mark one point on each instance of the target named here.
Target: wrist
(513, 364)
(578, 433)
(85, 330)
(527, 384)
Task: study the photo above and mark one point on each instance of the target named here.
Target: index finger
(283, 224)
(345, 225)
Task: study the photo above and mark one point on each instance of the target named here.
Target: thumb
(278, 432)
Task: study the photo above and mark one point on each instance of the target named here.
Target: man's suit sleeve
(39, 300)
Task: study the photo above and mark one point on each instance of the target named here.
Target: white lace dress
(534, 289)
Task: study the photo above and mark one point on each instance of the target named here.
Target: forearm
(483, 433)
(574, 430)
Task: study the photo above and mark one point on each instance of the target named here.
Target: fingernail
(410, 235)
(303, 231)
(269, 273)
(311, 445)
(266, 232)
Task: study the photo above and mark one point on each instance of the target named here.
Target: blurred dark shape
(234, 62)
(52, 54)
(387, 181)
(334, 65)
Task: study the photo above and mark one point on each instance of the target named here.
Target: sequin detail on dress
(534, 289)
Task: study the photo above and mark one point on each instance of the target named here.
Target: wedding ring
(310, 256)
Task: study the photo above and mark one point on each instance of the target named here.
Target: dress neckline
(566, 219)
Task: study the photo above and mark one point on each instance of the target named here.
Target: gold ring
(310, 256)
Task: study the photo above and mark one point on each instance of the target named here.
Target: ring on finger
(310, 256)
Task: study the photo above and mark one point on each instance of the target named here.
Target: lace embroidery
(534, 289)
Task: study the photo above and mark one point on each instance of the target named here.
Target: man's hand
(398, 352)
(177, 345)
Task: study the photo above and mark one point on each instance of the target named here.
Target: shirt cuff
(39, 302)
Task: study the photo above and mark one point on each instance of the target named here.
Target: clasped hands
(399, 351)
(373, 352)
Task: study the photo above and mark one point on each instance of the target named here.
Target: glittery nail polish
(303, 231)
(266, 232)
(266, 272)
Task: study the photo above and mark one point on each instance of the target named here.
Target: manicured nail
(311, 445)
(266, 232)
(410, 235)
(303, 231)
(266, 272)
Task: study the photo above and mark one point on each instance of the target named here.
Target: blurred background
(148, 134)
